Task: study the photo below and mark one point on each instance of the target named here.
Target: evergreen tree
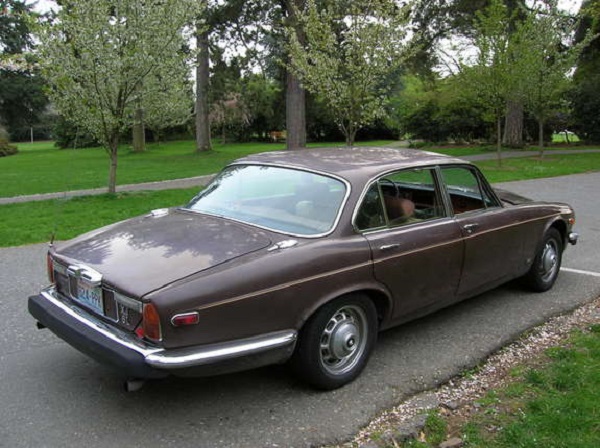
(585, 97)
(22, 100)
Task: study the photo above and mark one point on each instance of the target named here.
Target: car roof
(352, 163)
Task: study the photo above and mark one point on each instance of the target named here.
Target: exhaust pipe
(134, 384)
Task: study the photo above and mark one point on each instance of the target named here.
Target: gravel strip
(406, 420)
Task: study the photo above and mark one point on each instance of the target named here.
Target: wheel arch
(561, 226)
(378, 294)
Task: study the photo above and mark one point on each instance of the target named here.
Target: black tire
(546, 265)
(336, 342)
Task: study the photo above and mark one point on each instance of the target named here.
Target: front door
(417, 248)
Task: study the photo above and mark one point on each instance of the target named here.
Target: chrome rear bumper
(139, 359)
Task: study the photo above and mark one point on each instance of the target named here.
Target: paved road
(55, 397)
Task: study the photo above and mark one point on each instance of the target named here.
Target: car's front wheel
(336, 342)
(546, 265)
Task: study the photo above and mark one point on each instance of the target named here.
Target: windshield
(282, 199)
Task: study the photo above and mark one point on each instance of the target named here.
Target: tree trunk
(498, 140)
(112, 173)
(541, 137)
(513, 126)
(349, 134)
(139, 132)
(295, 95)
(202, 109)
(295, 113)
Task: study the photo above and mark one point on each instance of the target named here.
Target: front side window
(465, 190)
(401, 198)
(281, 199)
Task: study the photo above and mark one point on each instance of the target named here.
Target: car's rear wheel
(336, 342)
(546, 265)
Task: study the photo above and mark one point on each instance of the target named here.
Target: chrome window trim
(482, 184)
(441, 190)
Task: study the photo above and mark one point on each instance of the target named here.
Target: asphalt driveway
(54, 396)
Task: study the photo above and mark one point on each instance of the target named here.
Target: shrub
(7, 149)
(68, 135)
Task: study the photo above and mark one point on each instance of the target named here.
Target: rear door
(493, 238)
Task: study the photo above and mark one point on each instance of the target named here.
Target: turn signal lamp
(151, 322)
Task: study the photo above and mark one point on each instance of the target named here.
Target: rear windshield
(286, 200)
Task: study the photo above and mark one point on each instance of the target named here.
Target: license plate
(90, 296)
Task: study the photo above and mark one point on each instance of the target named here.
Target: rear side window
(465, 190)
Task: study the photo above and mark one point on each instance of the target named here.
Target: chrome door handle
(389, 246)
(470, 228)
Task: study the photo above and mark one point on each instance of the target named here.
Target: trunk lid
(143, 254)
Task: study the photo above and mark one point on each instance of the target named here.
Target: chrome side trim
(415, 251)
(185, 357)
(506, 226)
(210, 354)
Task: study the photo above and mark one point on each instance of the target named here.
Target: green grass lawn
(561, 138)
(549, 402)
(460, 151)
(35, 221)
(42, 168)
(557, 405)
(551, 165)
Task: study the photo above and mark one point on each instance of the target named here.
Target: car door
(417, 248)
(493, 240)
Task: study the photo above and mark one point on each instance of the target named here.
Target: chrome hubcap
(343, 340)
(549, 261)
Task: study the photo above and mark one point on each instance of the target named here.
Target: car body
(299, 256)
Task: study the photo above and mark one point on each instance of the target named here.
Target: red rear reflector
(151, 322)
(185, 319)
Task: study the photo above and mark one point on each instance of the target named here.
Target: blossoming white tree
(350, 50)
(105, 58)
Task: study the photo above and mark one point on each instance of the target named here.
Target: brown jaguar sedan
(298, 256)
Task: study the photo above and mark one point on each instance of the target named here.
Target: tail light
(151, 322)
(50, 265)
